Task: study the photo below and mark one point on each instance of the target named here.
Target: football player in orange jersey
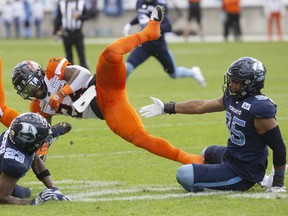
(7, 114)
(104, 96)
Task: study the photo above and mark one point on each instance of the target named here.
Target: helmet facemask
(29, 89)
(245, 77)
(28, 80)
(235, 90)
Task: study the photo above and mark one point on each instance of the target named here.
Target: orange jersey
(231, 6)
(54, 80)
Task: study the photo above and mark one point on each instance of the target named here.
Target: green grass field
(104, 175)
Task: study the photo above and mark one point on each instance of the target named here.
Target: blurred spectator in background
(194, 12)
(113, 7)
(37, 17)
(273, 10)
(18, 17)
(7, 17)
(231, 11)
(91, 6)
(27, 12)
(68, 24)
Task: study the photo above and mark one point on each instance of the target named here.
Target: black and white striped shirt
(64, 17)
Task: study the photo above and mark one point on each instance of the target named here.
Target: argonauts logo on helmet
(27, 133)
(259, 69)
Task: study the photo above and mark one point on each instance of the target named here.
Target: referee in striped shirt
(68, 24)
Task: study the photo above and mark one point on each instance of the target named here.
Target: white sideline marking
(93, 155)
(105, 191)
(80, 196)
(260, 195)
(132, 198)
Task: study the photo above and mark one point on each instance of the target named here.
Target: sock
(115, 51)
(8, 115)
(163, 148)
(150, 32)
(189, 158)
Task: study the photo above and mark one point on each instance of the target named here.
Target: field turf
(104, 175)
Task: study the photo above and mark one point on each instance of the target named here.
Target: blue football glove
(58, 195)
(45, 195)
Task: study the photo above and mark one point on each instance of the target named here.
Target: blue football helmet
(29, 131)
(28, 80)
(248, 71)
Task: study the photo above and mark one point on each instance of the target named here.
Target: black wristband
(169, 107)
(43, 174)
(278, 181)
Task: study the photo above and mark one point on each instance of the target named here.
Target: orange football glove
(56, 99)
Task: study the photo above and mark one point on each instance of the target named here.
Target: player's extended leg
(111, 64)
(7, 114)
(113, 101)
(196, 177)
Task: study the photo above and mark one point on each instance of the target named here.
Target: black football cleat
(158, 13)
(60, 129)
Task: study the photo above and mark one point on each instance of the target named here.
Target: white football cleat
(198, 76)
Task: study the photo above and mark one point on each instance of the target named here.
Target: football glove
(45, 195)
(151, 110)
(126, 29)
(60, 129)
(56, 99)
(58, 195)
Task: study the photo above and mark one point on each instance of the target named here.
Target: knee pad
(21, 192)
(185, 177)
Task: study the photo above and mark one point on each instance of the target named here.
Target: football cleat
(60, 129)
(198, 76)
(158, 13)
(57, 130)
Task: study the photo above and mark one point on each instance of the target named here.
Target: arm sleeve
(274, 140)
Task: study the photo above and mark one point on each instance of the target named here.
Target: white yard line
(106, 191)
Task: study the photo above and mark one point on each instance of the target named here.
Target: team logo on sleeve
(246, 106)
